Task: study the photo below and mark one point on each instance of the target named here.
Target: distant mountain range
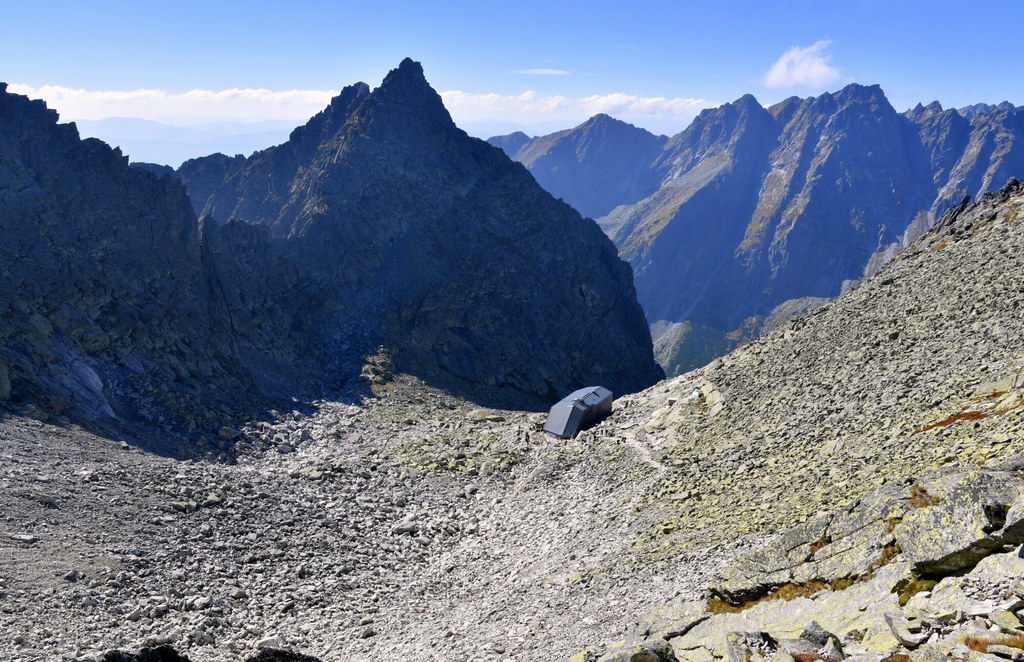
(752, 214)
(595, 167)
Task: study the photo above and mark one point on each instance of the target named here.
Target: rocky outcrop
(898, 595)
(940, 524)
(595, 167)
(396, 225)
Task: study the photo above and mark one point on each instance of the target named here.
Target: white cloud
(659, 114)
(543, 72)
(179, 107)
(482, 111)
(803, 67)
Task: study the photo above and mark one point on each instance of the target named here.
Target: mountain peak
(602, 120)
(411, 66)
(856, 91)
(407, 88)
(408, 75)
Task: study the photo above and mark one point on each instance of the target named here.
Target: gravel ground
(412, 526)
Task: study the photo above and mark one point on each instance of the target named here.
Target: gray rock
(26, 538)
(1006, 652)
(1006, 620)
(898, 627)
(963, 527)
(273, 641)
(749, 646)
(657, 650)
(407, 526)
(817, 635)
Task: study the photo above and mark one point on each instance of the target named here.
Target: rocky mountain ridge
(363, 256)
(757, 208)
(387, 209)
(847, 486)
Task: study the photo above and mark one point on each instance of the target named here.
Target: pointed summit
(746, 101)
(404, 104)
(601, 118)
(408, 67)
(408, 85)
(511, 143)
(408, 76)
(594, 165)
(388, 223)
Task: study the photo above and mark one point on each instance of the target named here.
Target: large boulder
(827, 548)
(967, 519)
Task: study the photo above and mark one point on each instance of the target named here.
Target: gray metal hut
(578, 410)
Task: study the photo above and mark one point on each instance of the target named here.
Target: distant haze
(171, 144)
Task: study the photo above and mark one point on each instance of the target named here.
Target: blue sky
(501, 65)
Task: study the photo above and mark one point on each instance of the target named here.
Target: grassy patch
(820, 543)
(911, 586)
(786, 592)
(889, 552)
(921, 498)
(981, 643)
(946, 422)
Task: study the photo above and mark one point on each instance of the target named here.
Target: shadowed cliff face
(436, 246)
(751, 211)
(107, 308)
